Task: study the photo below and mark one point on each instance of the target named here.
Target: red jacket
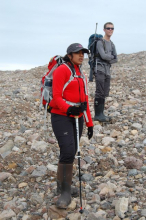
(74, 92)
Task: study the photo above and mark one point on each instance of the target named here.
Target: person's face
(77, 58)
(109, 30)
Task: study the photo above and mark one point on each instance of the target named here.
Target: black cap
(75, 48)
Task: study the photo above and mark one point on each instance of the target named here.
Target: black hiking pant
(102, 85)
(64, 128)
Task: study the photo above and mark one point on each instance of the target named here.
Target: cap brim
(83, 49)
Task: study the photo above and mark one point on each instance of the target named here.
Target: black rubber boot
(74, 190)
(98, 108)
(64, 175)
(108, 118)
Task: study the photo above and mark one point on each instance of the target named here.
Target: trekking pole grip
(76, 117)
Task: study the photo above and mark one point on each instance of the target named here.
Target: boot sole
(63, 206)
(101, 120)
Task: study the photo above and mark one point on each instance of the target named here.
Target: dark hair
(107, 23)
(66, 58)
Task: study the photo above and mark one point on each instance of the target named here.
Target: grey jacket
(107, 52)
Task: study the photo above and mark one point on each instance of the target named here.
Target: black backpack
(93, 39)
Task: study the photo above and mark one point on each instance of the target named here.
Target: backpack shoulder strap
(84, 79)
(112, 45)
(72, 76)
(103, 41)
(70, 79)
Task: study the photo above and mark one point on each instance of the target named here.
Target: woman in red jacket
(70, 99)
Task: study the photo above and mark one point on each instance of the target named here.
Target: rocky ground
(113, 162)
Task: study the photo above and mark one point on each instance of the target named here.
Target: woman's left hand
(90, 132)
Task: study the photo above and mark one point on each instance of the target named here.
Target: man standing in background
(106, 55)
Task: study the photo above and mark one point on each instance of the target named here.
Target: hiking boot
(98, 108)
(64, 175)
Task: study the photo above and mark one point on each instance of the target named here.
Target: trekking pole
(94, 39)
(78, 149)
(95, 30)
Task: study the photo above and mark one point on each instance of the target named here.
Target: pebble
(132, 162)
(121, 207)
(7, 214)
(132, 172)
(4, 175)
(143, 212)
(21, 185)
(87, 177)
(144, 142)
(7, 147)
(129, 184)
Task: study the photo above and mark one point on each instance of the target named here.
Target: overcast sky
(32, 31)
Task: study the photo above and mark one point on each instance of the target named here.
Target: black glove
(90, 132)
(73, 110)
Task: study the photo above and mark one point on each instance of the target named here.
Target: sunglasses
(108, 28)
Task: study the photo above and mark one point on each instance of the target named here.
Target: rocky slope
(113, 162)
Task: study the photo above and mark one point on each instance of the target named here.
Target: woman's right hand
(74, 110)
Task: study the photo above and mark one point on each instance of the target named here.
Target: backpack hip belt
(77, 104)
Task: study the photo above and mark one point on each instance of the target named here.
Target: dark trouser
(102, 85)
(64, 128)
